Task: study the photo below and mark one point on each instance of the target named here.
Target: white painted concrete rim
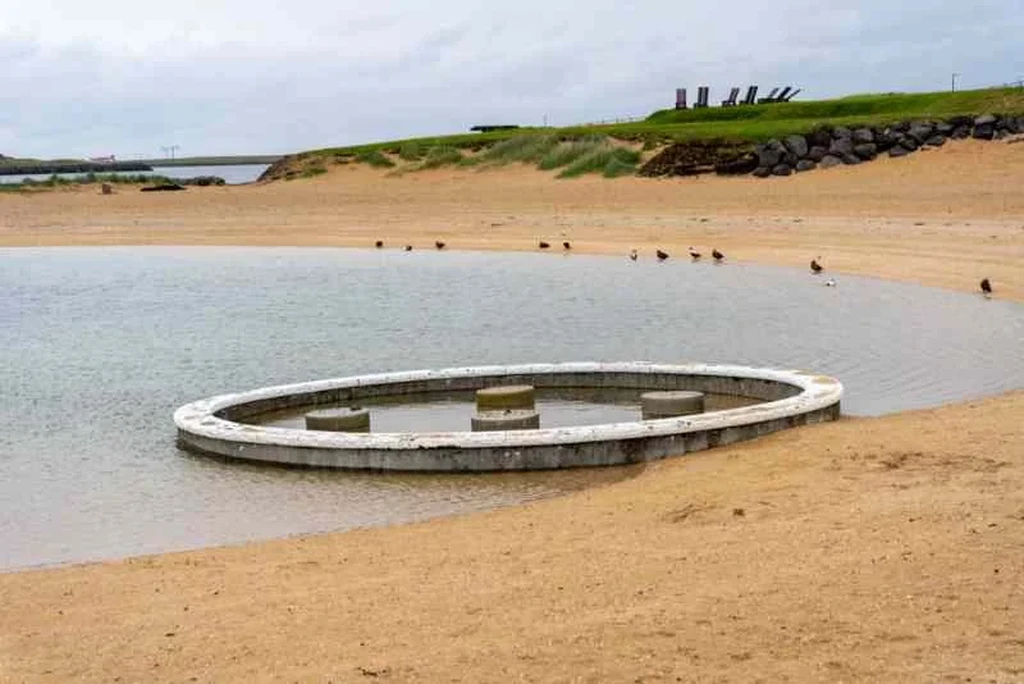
(817, 392)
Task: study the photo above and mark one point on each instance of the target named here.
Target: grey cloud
(348, 74)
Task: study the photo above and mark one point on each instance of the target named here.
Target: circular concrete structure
(339, 420)
(509, 419)
(791, 398)
(669, 404)
(505, 397)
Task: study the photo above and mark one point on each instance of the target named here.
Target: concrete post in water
(506, 397)
(670, 404)
(353, 419)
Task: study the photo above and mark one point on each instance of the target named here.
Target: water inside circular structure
(98, 346)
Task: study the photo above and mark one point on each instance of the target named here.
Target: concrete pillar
(656, 405)
(339, 420)
(517, 397)
(509, 419)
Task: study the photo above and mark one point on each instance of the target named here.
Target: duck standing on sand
(719, 257)
(567, 245)
(661, 255)
(408, 248)
(633, 255)
(694, 254)
(543, 245)
(378, 244)
(439, 244)
(986, 287)
(815, 266)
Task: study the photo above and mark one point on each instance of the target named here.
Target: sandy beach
(870, 549)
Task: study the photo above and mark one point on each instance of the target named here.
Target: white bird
(830, 282)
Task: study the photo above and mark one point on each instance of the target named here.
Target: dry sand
(883, 549)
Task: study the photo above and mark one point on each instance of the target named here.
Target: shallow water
(99, 346)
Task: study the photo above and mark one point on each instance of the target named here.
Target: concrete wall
(795, 398)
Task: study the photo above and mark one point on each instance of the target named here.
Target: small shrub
(567, 153)
(410, 151)
(605, 159)
(375, 158)
(522, 148)
(312, 171)
(441, 155)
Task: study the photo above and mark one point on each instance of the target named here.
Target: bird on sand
(815, 266)
(661, 255)
(633, 255)
(566, 245)
(378, 244)
(439, 244)
(986, 286)
(717, 255)
(408, 248)
(694, 254)
(543, 245)
(831, 282)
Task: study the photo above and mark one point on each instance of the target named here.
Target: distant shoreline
(240, 160)
(29, 169)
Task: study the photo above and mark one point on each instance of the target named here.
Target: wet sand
(882, 549)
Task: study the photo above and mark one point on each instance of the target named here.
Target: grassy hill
(754, 123)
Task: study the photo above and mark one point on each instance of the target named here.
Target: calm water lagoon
(98, 347)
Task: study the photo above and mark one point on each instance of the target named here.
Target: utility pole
(952, 85)
(169, 150)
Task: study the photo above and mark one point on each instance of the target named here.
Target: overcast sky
(268, 76)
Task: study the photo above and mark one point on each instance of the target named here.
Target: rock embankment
(828, 146)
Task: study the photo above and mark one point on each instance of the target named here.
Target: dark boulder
(986, 120)
(841, 133)
(797, 145)
(884, 140)
(900, 126)
(862, 136)
(936, 141)
(850, 158)
(960, 121)
(817, 153)
(1000, 134)
(841, 146)
(898, 151)
(984, 131)
(866, 151)
(805, 165)
(908, 142)
(762, 172)
(770, 153)
(829, 161)
(945, 129)
(961, 133)
(782, 170)
(920, 132)
(819, 137)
